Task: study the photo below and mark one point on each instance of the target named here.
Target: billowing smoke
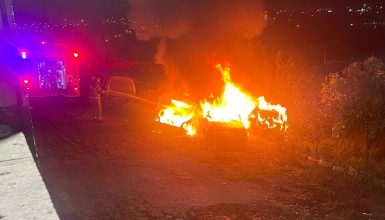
(193, 33)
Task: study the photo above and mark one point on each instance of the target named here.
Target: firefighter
(95, 96)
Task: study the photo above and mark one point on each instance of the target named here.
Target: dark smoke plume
(193, 33)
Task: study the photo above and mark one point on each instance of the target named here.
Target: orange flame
(279, 120)
(234, 107)
(178, 114)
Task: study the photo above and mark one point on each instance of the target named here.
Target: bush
(354, 100)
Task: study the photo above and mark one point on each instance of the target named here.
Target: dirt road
(128, 168)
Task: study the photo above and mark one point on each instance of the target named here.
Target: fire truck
(49, 68)
(47, 62)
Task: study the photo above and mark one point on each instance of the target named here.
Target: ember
(234, 107)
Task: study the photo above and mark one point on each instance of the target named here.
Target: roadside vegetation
(339, 117)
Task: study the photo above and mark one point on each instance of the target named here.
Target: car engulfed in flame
(178, 114)
(234, 108)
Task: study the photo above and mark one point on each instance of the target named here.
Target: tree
(355, 100)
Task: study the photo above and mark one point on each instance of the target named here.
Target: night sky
(38, 10)
(313, 4)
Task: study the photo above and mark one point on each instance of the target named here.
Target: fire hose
(115, 93)
(144, 100)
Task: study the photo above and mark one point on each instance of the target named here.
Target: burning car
(234, 111)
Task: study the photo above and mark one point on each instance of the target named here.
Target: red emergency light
(26, 83)
(23, 54)
(76, 54)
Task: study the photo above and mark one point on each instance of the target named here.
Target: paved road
(128, 168)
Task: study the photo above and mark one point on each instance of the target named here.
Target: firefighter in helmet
(95, 96)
